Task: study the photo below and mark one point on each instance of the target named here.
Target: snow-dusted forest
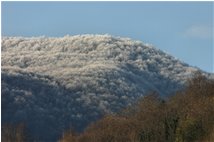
(52, 84)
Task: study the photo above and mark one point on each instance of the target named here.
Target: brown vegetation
(187, 116)
(14, 133)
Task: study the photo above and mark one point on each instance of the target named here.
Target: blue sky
(182, 29)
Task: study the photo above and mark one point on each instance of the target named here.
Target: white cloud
(199, 31)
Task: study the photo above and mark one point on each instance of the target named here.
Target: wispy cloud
(199, 31)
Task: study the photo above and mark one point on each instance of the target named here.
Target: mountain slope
(56, 83)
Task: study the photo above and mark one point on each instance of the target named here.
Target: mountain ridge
(85, 77)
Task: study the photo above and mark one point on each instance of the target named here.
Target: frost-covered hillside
(55, 83)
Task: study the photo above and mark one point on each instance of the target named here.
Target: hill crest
(74, 80)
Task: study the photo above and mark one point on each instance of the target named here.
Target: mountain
(52, 84)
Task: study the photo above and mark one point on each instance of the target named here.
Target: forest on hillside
(54, 83)
(186, 116)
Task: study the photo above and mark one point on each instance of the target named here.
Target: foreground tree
(187, 116)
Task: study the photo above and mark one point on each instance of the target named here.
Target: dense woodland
(187, 116)
(55, 83)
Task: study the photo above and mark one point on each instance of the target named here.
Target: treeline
(187, 116)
